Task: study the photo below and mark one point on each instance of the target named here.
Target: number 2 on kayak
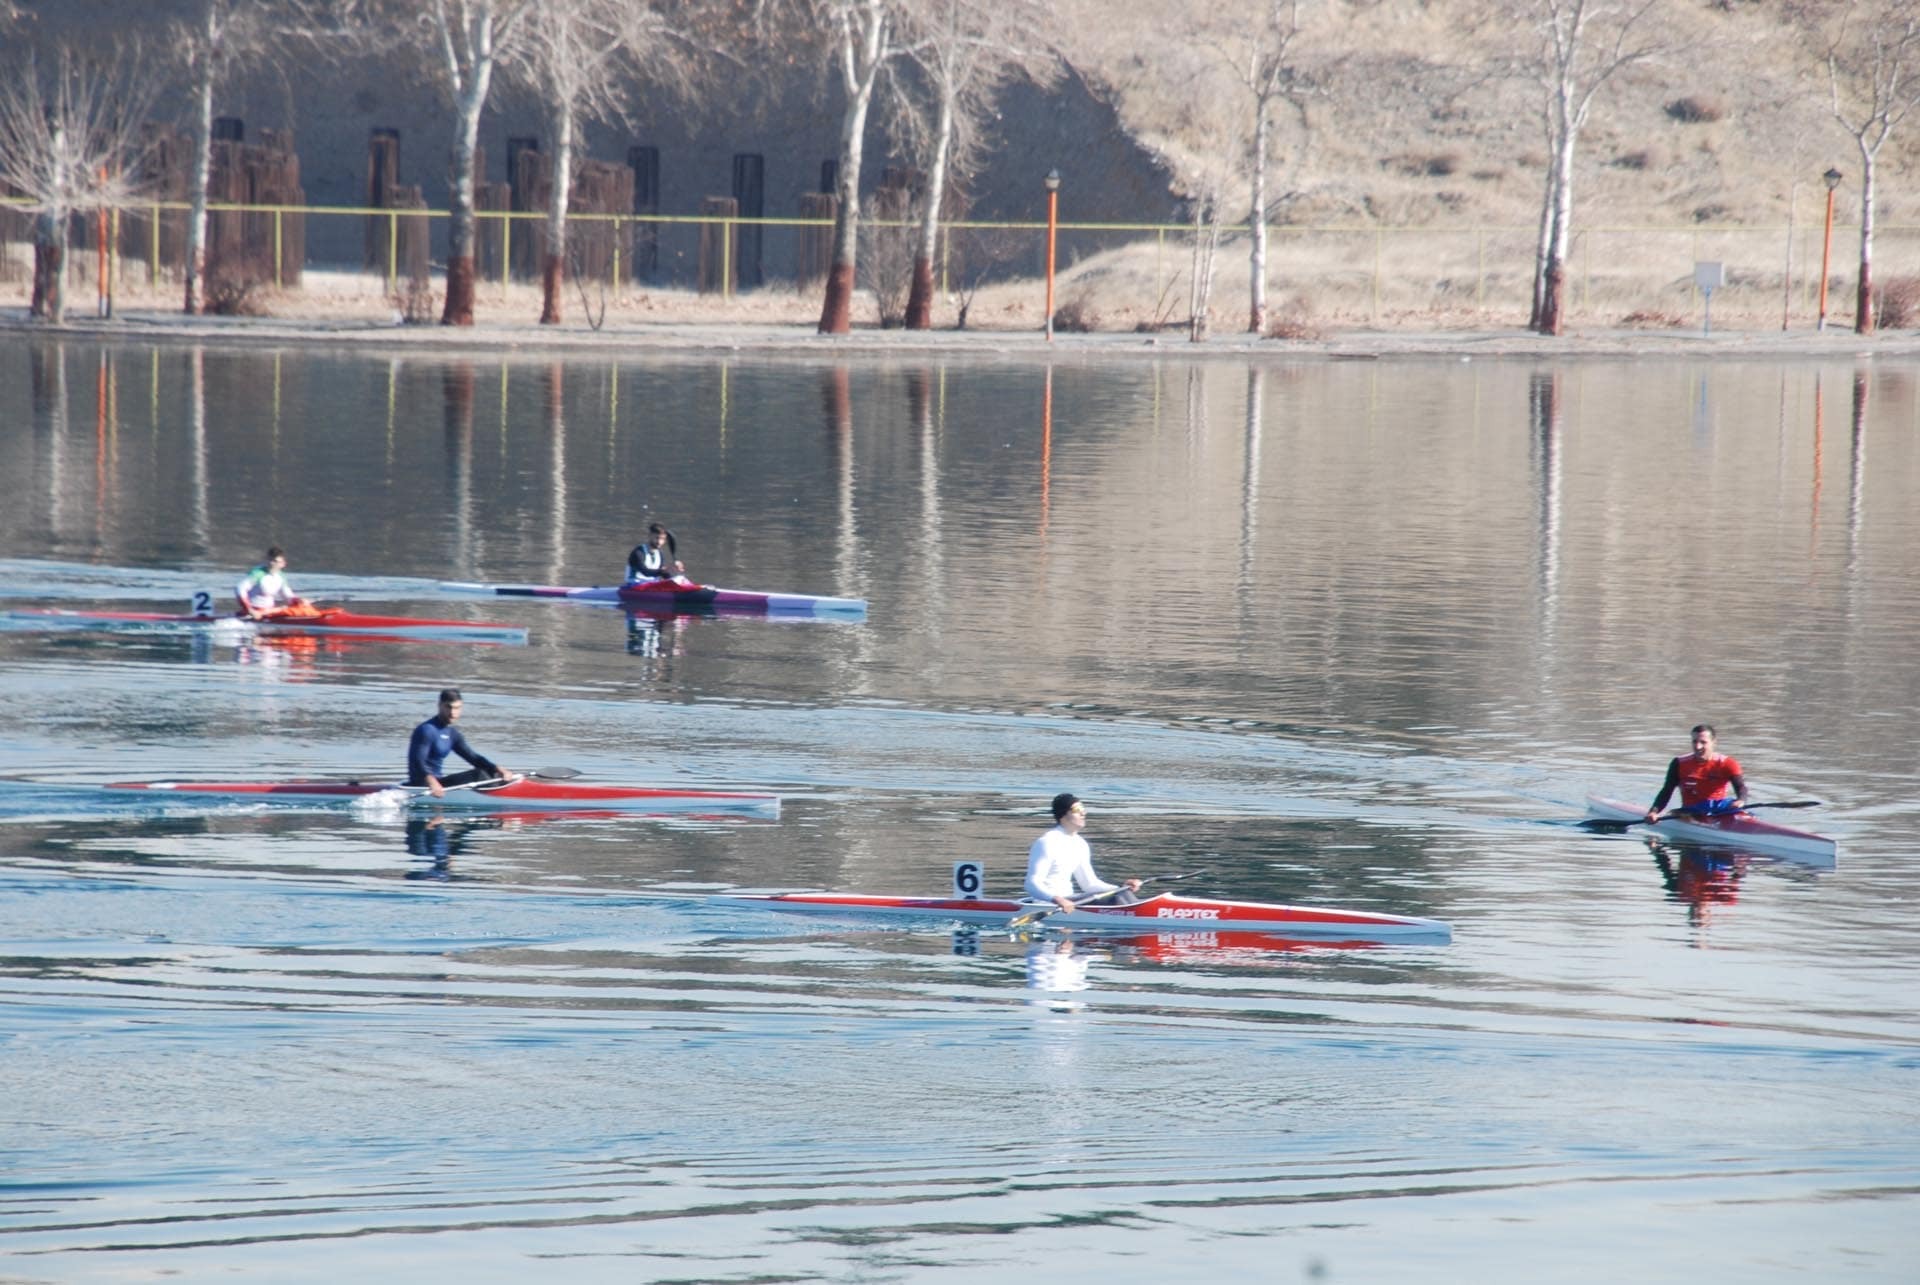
(202, 603)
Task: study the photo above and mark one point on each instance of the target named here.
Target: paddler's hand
(1653, 814)
(1133, 885)
(436, 789)
(1065, 903)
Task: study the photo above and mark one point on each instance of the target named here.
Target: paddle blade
(554, 773)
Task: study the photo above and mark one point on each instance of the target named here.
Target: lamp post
(1832, 178)
(1053, 223)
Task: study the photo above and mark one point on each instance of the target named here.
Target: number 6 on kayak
(969, 877)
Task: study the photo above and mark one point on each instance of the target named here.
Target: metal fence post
(393, 253)
(277, 251)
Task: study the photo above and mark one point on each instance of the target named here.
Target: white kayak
(1741, 830)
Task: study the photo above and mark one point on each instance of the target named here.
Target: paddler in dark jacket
(657, 559)
(436, 738)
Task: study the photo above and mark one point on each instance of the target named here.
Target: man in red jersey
(1708, 780)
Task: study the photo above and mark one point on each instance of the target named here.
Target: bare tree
(1872, 55)
(1254, 41)
(570, 56)
(966, 51)
(223, 36)
(70, 144)
(862, 34)
(466, 42)
(1577, 48)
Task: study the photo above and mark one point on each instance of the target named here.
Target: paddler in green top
(264, 592)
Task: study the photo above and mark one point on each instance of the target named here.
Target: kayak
(528, 793)
(1731, 830)
(1163, 913)
(331, 621)
(676, 595)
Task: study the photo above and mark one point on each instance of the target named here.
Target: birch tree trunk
(466, 142)
(50, 266)
(1543, 247)
(862, 45)
(1257, 226)
(1863, 321)
(1206, 241)
(554, 266)
(1553, 299)
(920, 297)
(196, 265)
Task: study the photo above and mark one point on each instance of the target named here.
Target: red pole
(1053, 210)
(1826, 258)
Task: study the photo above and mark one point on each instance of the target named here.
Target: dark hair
(1062, 804)
(448, 695)
(1704, 727)
(654, 528)
(275, 551)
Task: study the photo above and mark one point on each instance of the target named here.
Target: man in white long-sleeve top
(1060, 863)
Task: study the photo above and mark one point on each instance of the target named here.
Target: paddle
(1027, 919)
(1607, 825)
(401, 794)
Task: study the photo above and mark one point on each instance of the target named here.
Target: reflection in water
(556, 387)
(657, 635)
(1046, 458)
(1702, 878)
(439, 841)
(1543, 410)
(836, 399)
(48, 366)
(197, 429)
(1819, 436)
(1857, 478)
(1250, 480)
(1057, 967)
(921, 385)
(456, 417)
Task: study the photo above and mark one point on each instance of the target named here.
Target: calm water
(1361, 633)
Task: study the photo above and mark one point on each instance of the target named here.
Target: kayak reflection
(1700, 878)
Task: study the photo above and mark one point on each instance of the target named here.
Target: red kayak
(332, 620)
(1165, 913)
(524, 794)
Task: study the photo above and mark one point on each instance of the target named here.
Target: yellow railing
(1356, 268)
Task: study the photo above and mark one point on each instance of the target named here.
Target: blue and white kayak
(676, 595)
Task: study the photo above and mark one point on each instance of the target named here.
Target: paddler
(656, 559)
(1060, 862)
(436, 738)
(1708, 780)
(264, 591)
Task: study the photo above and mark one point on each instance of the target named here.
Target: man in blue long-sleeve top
(436, 738)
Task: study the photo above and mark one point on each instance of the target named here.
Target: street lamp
(1053, 221)
(1832, 178)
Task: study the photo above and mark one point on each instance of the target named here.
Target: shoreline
(799, 340)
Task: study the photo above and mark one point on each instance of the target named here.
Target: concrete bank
(800, 342)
